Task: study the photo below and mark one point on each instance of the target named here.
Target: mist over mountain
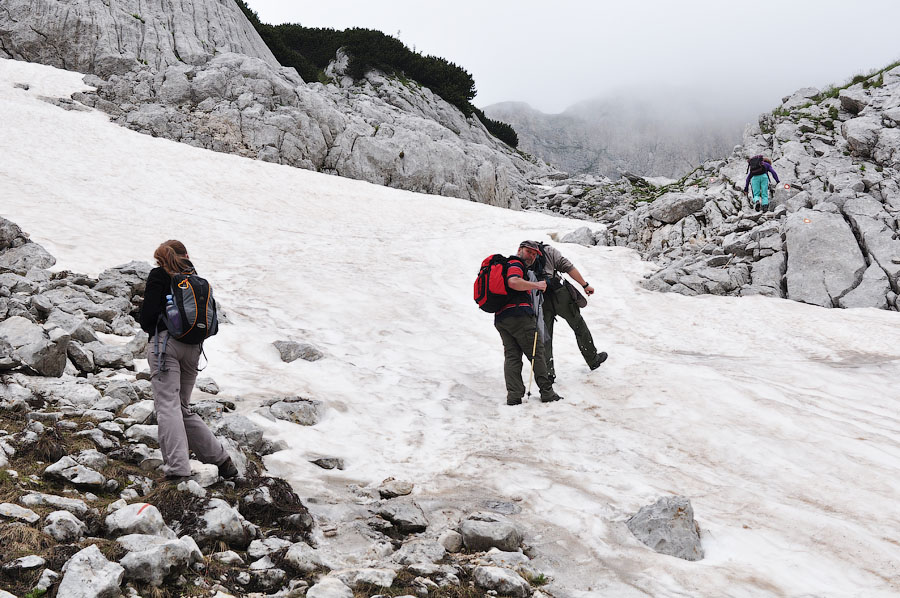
(660, 132)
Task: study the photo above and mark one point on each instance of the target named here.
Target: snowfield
(778, 420)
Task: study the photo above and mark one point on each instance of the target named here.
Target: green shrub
(498, 129)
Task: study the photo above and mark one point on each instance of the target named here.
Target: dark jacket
(159, 284)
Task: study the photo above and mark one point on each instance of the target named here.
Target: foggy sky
(552, 54)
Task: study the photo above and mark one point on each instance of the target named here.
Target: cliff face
(112, 37)
(197, 72)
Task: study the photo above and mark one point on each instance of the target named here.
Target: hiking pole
(533, 351)
(538, 304)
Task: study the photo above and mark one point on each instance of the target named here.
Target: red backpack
(491, 292)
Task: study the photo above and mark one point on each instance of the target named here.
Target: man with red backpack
(516, 321)
(758, 169)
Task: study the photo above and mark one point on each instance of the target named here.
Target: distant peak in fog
(652, 130)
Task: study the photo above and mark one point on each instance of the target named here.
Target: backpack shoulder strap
(541, 260)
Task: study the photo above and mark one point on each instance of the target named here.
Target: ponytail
(172, 256)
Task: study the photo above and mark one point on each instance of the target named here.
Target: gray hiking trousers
(180, 429)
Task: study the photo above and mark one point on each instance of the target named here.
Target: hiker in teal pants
(758, 170)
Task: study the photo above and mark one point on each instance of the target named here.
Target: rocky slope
(660, 137)
(197, 72)
(84, 513)
(832, 238)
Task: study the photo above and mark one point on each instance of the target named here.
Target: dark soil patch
(286, 512)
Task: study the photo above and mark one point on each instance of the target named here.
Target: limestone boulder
(64, 527)
(824, 260)
(304, 558)
(853, 100)
(672, 207)
(26, 257)
(406, 516)
(152, 559)
(329, 587)
(240, 429)
(221, 522)
(306, 412)
(76, 506)
(138, 518)
(668, 527)
(69, 470)
(504, 582)
(40, 352)
(483, 531)
(872, 290)
(88, 574)
(862, 134)
(292, 351)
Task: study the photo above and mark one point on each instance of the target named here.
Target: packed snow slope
(779, 420)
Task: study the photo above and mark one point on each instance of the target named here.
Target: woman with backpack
(173, 369)
(758, 169)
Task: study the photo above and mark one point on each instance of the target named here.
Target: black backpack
(756, 165)
(491, 291)
(190, 313)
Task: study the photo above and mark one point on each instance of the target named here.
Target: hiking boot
(757, 206)
(601, 357)
(227, 469)
(765, 207)
(551, 398)
(514, 401)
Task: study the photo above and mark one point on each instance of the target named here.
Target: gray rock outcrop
(831, 236)
(197, 72)
(152, 559)
(824, 261)
(668, 527)
(64, 527)
(106, 39)
(42, 353)
(483, 531)
(89, 574)
(504, 582)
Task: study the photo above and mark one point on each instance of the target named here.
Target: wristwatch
(585, 285)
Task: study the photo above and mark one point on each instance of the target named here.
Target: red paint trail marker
(787, 186)
(807, 220)
(141, 510)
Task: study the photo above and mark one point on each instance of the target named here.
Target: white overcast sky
(554, 53)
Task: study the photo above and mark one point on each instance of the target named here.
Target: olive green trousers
(560, 303)
(517, 334)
